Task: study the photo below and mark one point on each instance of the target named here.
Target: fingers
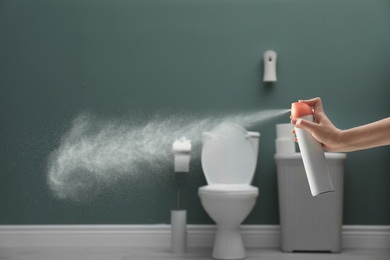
(293, 131)
(297, 122)
(294, 121)
(314, 102)
(310, 102)
(309, 126)
(312, 127)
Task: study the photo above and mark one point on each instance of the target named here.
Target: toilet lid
(228, 155)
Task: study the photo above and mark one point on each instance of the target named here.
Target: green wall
(132, 59)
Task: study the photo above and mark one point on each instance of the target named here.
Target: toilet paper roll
(182, 163)
(283, 130)
(178, 231)
(285, 145)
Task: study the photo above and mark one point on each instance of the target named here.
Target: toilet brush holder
(178, 228)
(178, 231)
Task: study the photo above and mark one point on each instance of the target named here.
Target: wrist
(340, 138)
(337, 141)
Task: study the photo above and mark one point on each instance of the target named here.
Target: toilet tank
(256, 140)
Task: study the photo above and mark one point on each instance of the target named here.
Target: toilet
(229, 158)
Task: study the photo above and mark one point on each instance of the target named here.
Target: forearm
(366, 136)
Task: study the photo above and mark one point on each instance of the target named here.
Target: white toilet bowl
(229, 156)
(228, 207)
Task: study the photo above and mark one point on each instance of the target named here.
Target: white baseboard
(254, 236)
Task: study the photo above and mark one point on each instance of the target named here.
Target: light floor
(165, 254)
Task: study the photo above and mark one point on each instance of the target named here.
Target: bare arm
(366, 136)
(335, 140)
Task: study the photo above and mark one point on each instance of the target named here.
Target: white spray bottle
(313, 155)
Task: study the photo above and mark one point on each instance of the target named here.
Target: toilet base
(228, 244)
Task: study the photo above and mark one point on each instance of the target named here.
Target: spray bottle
(313, 155)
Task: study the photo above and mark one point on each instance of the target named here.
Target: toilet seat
(229, 155)
(229, 188)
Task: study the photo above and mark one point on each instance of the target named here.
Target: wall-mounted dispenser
(269, 59)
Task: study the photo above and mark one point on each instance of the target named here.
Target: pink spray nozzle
(299, 109)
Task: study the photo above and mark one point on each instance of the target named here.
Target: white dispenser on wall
(269, 58)
(313, 155)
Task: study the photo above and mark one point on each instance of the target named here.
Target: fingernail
(294, 121)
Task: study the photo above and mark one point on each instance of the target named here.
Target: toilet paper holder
(182, 154)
